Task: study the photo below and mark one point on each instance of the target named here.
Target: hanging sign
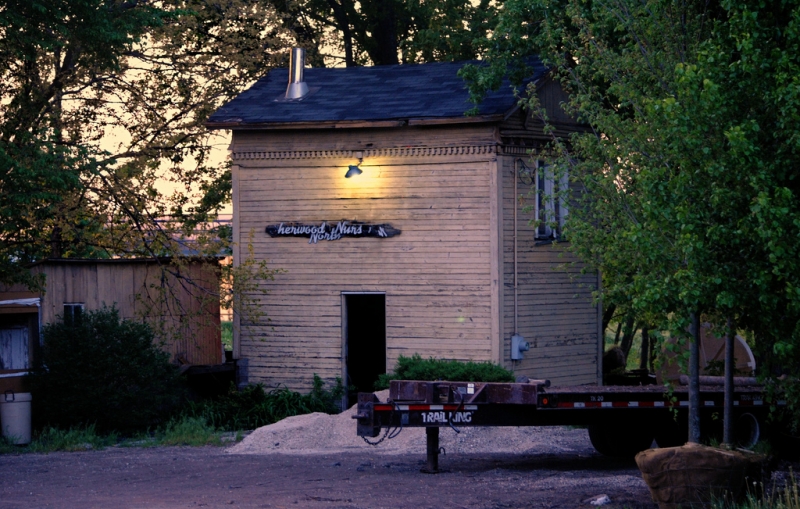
(331, 231)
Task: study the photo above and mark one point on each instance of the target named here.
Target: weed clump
(254, 406)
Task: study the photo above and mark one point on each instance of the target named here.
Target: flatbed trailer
(621, 420)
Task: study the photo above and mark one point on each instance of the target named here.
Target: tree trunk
(343, 23)
(644, 355)
(616, 336)
(608, 314)
(727, 418)
(382, 49)
(627, 336)
(694, 380)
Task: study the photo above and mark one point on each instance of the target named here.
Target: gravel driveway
(564, 475)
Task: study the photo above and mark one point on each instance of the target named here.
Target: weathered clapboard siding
(528, 126)
(435, 274)
(555, 310)
(456, 215)
(441, 177)
(191, 325)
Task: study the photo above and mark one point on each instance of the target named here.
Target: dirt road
(177, 477)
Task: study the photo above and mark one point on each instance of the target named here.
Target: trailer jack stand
(432, 442)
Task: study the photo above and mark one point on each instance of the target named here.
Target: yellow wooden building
(402, 226)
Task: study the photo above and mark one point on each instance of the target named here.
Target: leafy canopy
(387, 32)
(104, 101)
(690, 167)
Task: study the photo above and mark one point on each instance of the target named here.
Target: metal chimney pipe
(297, 87)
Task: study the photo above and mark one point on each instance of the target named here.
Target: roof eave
(352, 124)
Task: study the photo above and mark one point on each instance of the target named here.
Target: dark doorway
(365, 341)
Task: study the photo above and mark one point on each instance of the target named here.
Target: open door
(364, 341)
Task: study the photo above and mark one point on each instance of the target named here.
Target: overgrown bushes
(254, 406)
(417, 368)
(103, 371)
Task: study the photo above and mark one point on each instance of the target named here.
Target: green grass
(226, 328)
(190, 431)
(52, 440)
(211, 422)
(180, 431)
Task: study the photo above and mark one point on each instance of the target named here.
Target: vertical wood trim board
(496, 247)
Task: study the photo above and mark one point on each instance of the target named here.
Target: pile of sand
(319, 433)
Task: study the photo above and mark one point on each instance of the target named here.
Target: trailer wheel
(747, 431)
(619, 441)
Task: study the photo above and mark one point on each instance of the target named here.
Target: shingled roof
(345, 95)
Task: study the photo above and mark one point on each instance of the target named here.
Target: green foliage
(197, 424)
(73, 439)
(227, 335)
(79, 438)
(689, 197)
(254, 406)
(189, 431)
(103, 371)
(417, 368)
(104, 102)
(386, 32)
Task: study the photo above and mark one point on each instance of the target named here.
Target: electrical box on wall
(518, 345)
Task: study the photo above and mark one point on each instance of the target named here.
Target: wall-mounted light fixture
(354, 169)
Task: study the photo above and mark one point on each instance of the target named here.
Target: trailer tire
(747, 430)
(618, 441)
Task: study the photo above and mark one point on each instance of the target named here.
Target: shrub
(417, 368)
(254, 406)
(103, 371)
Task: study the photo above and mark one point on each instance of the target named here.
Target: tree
(691, 205)
(385, 32)
(103, 99)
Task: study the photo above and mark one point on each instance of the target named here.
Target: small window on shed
(73, 313)
(551, 202)
(13, 348)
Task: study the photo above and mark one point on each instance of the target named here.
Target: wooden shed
(180, 300)
(402, 226)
